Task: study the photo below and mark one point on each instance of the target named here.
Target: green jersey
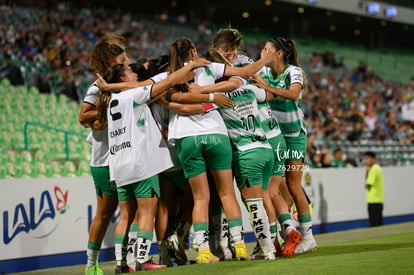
(287, 112)
(243, 120)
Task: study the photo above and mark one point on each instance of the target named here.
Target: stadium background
(40, 135)
(331, 45)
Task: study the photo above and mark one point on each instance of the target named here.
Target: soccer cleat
(279, 249)
(178, 249)
(205, 256)
(269, 256)
(224, 253)
(121, 269)
(148, 265)
(94, 270)
(241, 251)
(257, 252)
(292, 240)
(306, 245)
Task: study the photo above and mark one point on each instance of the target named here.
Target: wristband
(211, 97)
(208, 107)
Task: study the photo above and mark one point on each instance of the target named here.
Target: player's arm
(220, 87)
(292, 93)
(177, 76)
(120, 86)
(190, 109)
(88, 117)
(252, 68)
(191, 98)
(87, 114)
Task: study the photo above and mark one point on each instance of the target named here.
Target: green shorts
(296, 147)
(253, 167)
(103, 185)
(176, 177)
(279, 154)
(196, 153)
(147, 188)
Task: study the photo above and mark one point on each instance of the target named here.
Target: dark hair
(179, 52)
(290, 53)
(370, 154)
(105, 51)
(288, 46)
(102, 101)
(115, 73)
(158, 65)
(140, 70)
(231, 37)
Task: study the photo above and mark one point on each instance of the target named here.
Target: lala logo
(27, 218)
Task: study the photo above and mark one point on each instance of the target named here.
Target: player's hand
(200, 62)
(100, 82)
(222, 101)
(194, 88)
(98, 125)
(187, 78)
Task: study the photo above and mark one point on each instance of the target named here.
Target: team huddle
(171, 135)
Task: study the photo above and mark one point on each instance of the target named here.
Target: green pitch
(382, 250)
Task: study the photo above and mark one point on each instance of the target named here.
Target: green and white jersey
(288, 113)
(182, 126)
(137, 151)
(269, 123)
(243, 119)
(242, 60)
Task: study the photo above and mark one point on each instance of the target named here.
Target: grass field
(382, 250)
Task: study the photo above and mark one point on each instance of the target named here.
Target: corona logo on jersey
(38, 216)
(115, 148)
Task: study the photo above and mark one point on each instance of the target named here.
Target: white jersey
(242, 60)
(161, 115)
(208, 123)
(137, 149)
(158, 77)
(100, 147)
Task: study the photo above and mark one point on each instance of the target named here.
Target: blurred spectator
(8, 69)
(326, 158)
(338, 158)
(315, 159)
(407, 109)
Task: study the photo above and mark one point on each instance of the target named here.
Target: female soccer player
(107, 52)
(225, 50)
(202, 143)
(285, 80)
(137, 155)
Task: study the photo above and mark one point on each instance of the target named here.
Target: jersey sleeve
(259, 92)
(91, 94)
(296, 75)
(161, 76)
(142, 94)
(217, 69)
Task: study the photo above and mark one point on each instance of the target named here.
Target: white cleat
(305, 245)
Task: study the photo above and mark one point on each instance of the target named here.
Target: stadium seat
(15, 170)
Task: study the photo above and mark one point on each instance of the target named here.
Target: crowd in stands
(340, 104)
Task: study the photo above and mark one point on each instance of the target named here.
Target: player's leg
(219, 157)
(146, 193)
(107, 202)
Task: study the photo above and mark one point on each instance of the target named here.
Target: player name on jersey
(117, 132)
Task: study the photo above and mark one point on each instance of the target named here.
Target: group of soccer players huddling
(172, 137)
